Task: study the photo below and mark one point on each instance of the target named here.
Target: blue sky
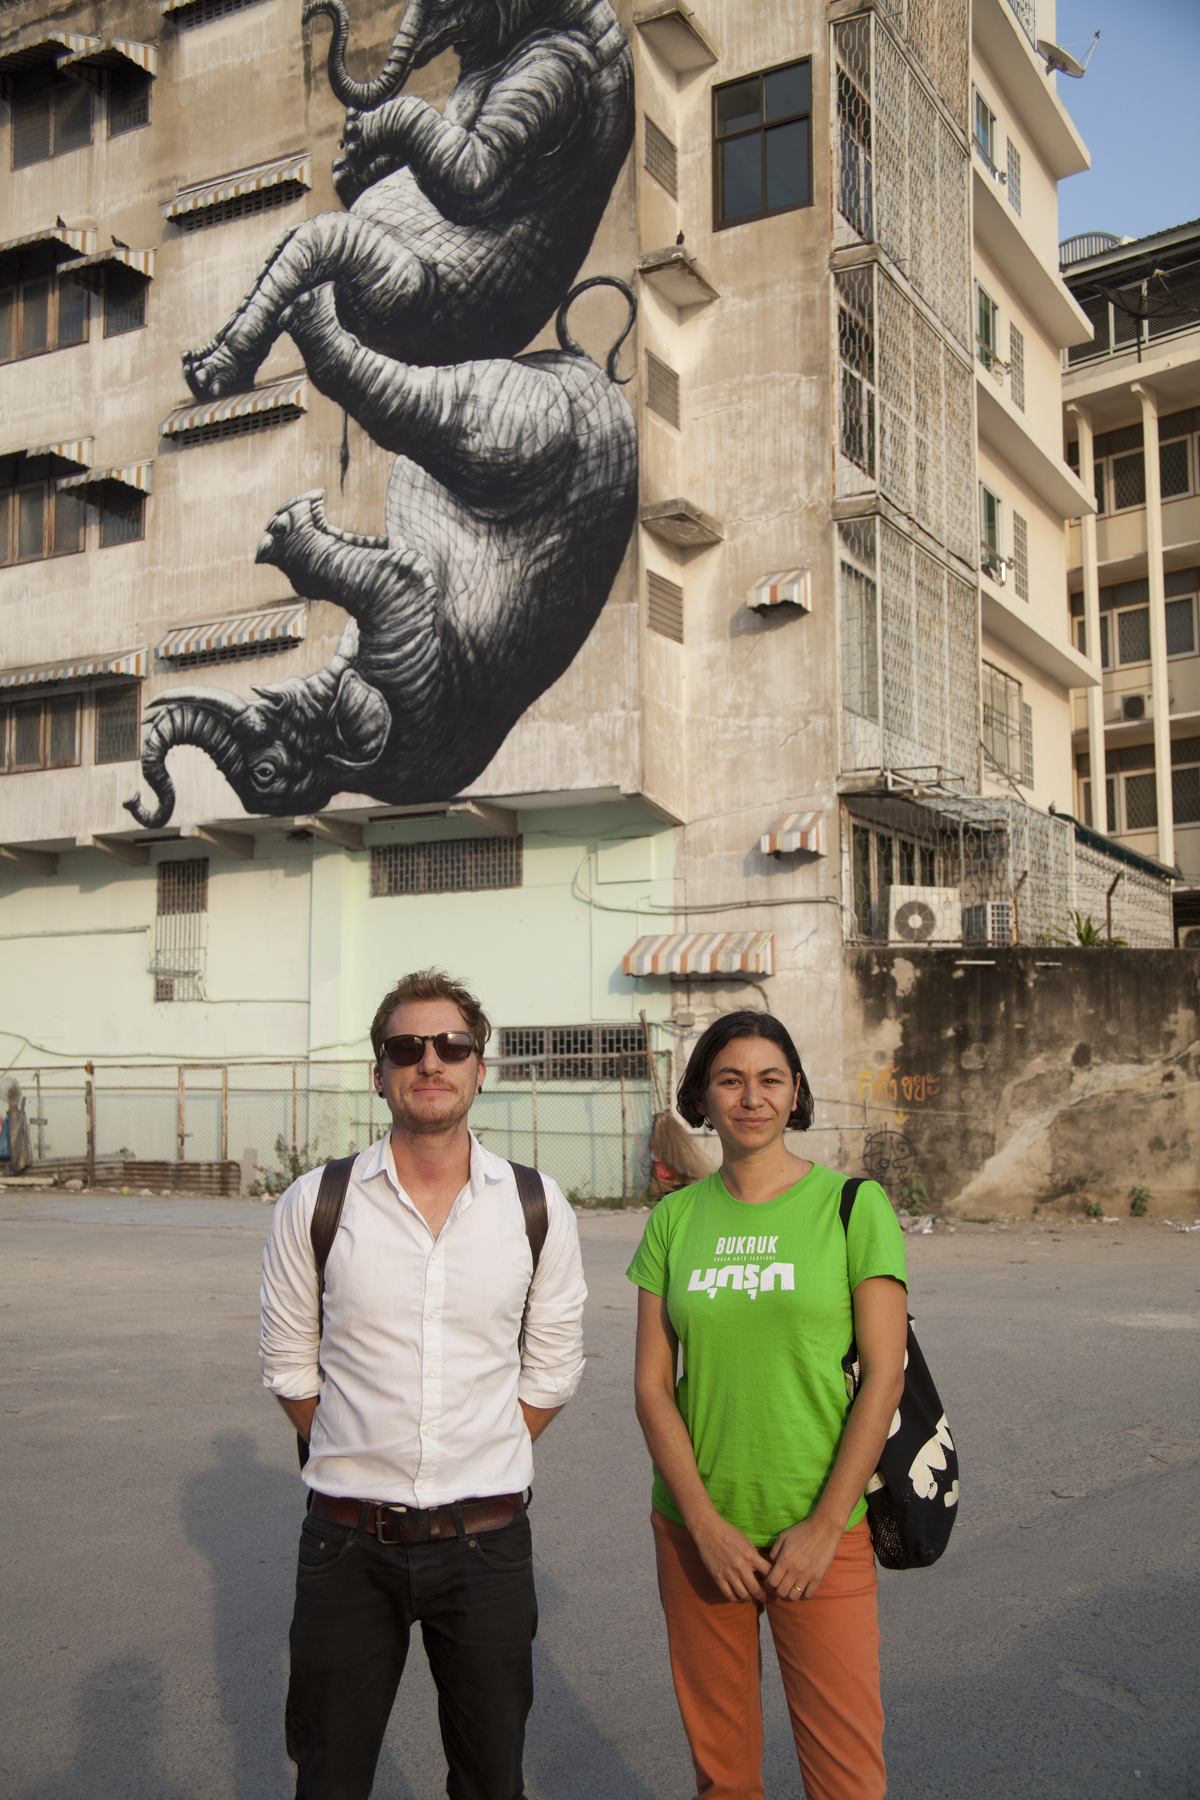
(1136, 111)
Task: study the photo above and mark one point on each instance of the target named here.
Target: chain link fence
(251, 1128)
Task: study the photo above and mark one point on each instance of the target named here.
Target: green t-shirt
(759, 1297)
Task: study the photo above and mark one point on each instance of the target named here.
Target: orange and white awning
(200, 194)
(795, 831)
(702, 953)
(71, 450)
(78, 239)
(48, 46)
(140, 261)
(125, 662)
(787, 587)
(139, 475)
(109, 53)
(277, 624)
(291, 392)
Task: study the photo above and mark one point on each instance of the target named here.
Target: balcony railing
(993, 564)
(1025, 13)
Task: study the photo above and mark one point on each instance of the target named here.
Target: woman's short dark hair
(722, 1031)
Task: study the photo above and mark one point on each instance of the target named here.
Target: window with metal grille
(122, 514)
(39, 734)
(1020, 557)
(118, 723)
(856, 348)
(51, 115)
(1181, 627)
(860, 642)
(1128, 481)
(1141, 802)
(664, 607)
(124, 300)
(1173, 461)
(128, 101)
(762, 144)
(1185, 794)
(1003, 721)
(204, 12)
(1016, 366)
(1133, 635)
(856, 200)
(243, 426)
(179, 937)
(446, 866)
(573, 1052)
(1026, 744)
(662, 389)
(242, 206)
(1014, 177)
(660, 156)
(47, 312)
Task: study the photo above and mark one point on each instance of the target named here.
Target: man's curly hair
(431, 984)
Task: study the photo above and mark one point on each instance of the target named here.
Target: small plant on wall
(1094, 1210)
(293, 1161)
(1085, 934)
(912, 1196)
(1139, 1201)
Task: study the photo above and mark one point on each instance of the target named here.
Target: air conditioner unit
(925, 915)
(1136, 706)
(989, 923)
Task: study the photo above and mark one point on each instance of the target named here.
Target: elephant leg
(367, 266)
(389, 589)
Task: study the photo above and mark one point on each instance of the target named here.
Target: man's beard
(423, 1124)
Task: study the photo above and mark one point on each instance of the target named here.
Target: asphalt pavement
(151, 1506)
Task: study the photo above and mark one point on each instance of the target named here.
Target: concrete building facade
(634, 678)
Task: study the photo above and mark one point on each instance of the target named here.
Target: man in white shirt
(437, 1364)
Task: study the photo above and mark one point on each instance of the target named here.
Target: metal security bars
(453, 866)
(573, 1052)
(901, 168)
(662, 389)
(660, 156)
(180, 929)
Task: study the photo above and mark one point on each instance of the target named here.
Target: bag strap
(532, 1195)
(850, 1189)
(322, 1229)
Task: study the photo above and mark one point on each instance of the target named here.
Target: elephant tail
(567, 342)
(182, 720)
(366, 95)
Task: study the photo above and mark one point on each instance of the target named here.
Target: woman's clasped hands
(792, 1569)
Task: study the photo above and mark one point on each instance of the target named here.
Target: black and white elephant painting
(513, 494)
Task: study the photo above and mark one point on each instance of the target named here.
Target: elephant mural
(507, 518)
(513, 494)
(465, 228)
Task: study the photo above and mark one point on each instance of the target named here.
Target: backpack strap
(322, 1229)
(532, 1195)
(850, 1189)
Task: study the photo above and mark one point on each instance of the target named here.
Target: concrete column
(1091, 621)
(1158, 624)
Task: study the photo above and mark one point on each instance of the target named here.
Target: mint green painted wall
(299, 953)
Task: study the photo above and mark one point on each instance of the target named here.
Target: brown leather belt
(412, 1525)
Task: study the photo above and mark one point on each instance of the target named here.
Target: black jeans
(356, 1601)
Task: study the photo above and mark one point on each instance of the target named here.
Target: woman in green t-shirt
(760, 1461)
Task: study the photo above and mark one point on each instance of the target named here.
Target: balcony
(1001, 31)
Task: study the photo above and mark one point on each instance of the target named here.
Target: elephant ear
(361, 719)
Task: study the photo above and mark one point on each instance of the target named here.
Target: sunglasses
(408, 1048)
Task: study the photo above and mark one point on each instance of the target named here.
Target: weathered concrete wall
(1027, 1078)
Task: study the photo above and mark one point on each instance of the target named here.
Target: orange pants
(828, 1651)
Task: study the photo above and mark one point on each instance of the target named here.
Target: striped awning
(111, 53)
(74, 450)
(78, 239)
(789, 587)
(46, 47)
(292, 391)
(139, 475)
(703, 953)
(124, 662)
(795, 831)
(140, 261)
(242, 181)
(273, 625)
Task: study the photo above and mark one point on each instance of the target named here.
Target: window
(855, 179)
(1016, 366)
(205, 12)
(664, 607)
(43, 312)
(985, 129)
(128, 101)
(51, 115)
(36, 519)
(40, 734)
(1128, 481)
(1185, 794)
(860, 642)
(1020, 557)
(1110, 797)
(1181, 627)
(446, 866)
(762, 148)
(992, 534)
(662, 389)
(1026, 776)
(1133, 635)
(1173, 469)
(1004, 726)
(1141, 802)
(242, 206)
(660, 156)
(573, 1052)
(118, 723)
(122, 514)
(1130, 774)
(1014, 177)
(856, 349)
(987, 328)
(124, 300)
(179, 938)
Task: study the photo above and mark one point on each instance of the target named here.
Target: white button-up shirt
(422, 1362)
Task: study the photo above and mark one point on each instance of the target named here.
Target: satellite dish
(1061, 62)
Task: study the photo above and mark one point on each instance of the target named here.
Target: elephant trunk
(183, 722)
(366, 95)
